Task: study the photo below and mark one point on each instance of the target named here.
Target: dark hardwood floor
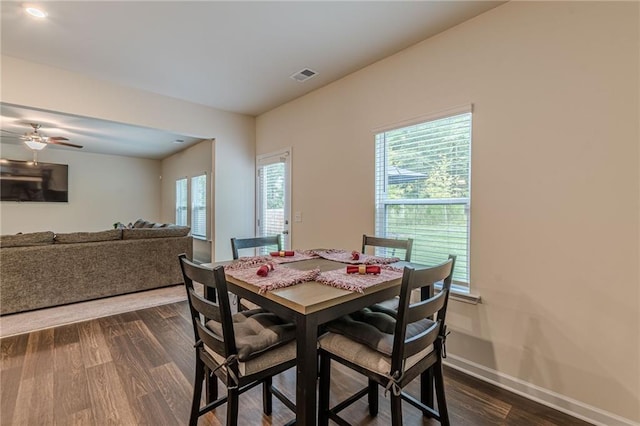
(137, 369)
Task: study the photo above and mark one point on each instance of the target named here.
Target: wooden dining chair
(255, 242)
(241, 350)
(390, 351)
(237, 244)
(392, 243)
(401, 244)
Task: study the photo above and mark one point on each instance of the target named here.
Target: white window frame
(182, 210)
(382, 202)
(200, 234)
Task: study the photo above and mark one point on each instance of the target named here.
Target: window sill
(198, 237)
(460, 295)
(465, 297)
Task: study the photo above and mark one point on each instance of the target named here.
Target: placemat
(278, 278)
(356, 282)
(298, 255)
(247, 262)
(344, 256)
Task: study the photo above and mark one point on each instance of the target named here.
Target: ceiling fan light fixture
(35, 145)
(36, 12)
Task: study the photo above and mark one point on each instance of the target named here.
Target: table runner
(356, 282)
(278, 278)
(344, 256)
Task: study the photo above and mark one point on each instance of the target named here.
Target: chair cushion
(374, 328)
(268, 359)
(390, 306)
(363, 355)
(257, 331)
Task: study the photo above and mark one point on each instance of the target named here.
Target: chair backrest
(394, 243)
(403, 346)
(243, 243)
(203, 310)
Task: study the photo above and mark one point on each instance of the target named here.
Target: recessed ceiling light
(35, 12)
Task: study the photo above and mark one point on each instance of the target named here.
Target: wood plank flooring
(136, 368)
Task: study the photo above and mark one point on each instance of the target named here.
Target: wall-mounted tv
(29, 181)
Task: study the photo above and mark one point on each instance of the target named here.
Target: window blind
(423, 189)
(199, 206)
(181, 202)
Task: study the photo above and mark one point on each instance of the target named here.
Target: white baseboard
(546, 397)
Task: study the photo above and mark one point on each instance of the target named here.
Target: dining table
(309, 305)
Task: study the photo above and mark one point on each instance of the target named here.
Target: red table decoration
(363, 269)
(282, 253)
(264, 270)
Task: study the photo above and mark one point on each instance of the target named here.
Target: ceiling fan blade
(55, 142)
(10, 132)
(58, 138)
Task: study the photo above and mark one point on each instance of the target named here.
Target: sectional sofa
(43, 269)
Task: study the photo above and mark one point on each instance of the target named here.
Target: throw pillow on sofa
(120, 225)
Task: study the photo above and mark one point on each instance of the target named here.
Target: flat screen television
(29, 181)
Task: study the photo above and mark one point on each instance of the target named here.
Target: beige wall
(103, 189)
(555, 188)
(193, 161)
(234, 175)
(34, 85)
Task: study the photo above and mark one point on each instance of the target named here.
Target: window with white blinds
(181, 202)
(199, 206)
(423, 189)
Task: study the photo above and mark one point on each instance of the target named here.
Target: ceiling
(96, 136)
(235, 56)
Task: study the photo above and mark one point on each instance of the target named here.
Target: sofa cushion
(29, 239)
(169, 231)
(88, 237)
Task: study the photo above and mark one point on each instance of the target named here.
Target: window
(199, 206)
(181, 202)
(423, 189)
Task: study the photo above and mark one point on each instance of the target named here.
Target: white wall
(103, 189)
(555, 188)
(34, 85)
(188, 163)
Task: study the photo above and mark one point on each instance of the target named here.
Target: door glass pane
(273, 191)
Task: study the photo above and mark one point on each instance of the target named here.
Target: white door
(273, 195)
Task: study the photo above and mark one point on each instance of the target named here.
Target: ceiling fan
(37, 141)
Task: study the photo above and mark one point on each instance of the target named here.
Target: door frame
(282, 155)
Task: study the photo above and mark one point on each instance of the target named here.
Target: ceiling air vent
(303, 75)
